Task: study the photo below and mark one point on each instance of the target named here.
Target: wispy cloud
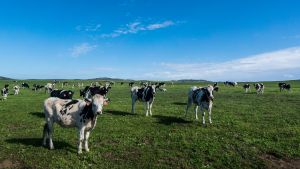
(274, 65)
(89, 28)
(136, 27)
(82, 49)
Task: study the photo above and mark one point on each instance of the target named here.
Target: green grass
(245, 127)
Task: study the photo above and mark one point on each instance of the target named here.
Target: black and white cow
(80, 114)
(37, 87)
(233, 84)
(25, 85)
(49, 87)
(103, 90)
(4, 93)
(246, 87)
(284, 86)
(143, 94)
(259, 88)
(202, 97)
(130, 84)
(62, 94)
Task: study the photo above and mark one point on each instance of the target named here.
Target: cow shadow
(119, 113)
(38, 114)
(168, 120)
(179, 103)
(37, 142)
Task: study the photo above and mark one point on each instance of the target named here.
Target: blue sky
(159, 40)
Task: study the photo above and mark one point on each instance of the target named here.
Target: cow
(259, 88)
(16, 90)
(246, 87)
(233, 84)
(143, 94)
(37, 87)
(4, 93)
(24, 85)
(202, 97)
(49, 87)
(121, 83)
(283, 86)
(62, 94)
(103, 90)
(81, 114)
(130, 84)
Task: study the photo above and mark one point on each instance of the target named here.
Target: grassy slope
(245, 126)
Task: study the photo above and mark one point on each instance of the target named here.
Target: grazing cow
(246, 87)
(283, 86)
(4, 93)
(122, 83)
(259, 88)
(16, 90)
(233, 84)
(130, 84)
(143, 94)
(49, 87)
(25, 85)
(62, 94)
(37, 87)
(202, 97)
(73, 113)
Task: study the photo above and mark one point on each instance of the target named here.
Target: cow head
(209, 92)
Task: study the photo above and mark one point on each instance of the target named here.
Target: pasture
(248, 131)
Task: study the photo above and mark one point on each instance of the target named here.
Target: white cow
(144, 94)
(49, 87)
(16, 89)
(203, 97)
(81, 114)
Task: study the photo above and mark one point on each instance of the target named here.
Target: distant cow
(62, 94)
(80, 114)
(246, 87)
(283, 86)
(103, 90)
(202, 97)
(4, 93)
(227, 83)
(16, 90)
(37, 87)
(25, 85)
(130, 84)
(143, 94)
(49, 87)
(259, 88)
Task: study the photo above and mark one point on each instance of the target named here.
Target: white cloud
(82, 49)
(274, 65)
(89, 28)
(136, 27)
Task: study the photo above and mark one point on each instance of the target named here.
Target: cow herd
(82, 114)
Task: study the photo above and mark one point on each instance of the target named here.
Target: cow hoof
(87, 150)
(79, 152)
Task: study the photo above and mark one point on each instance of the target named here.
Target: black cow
(62, 94)
(283, 86)
(130, 84)
(246, 87)
(102, 90)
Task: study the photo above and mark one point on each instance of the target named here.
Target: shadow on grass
(37, 142)
(179, 103)
(168, 120)
(38, 114)
(119, 113)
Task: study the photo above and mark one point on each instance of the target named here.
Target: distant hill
(191, 80)
(110, 79)
(5, 78)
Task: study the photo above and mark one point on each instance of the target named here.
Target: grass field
(248, 131)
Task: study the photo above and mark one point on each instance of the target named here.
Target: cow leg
(81, 138)
(50, 131)
(188, 105)
(196, 111)
(209, 114)
(147, 108)
(150, 107)
(133, 105)
(86, 138)
(45, 134)
(203, 116)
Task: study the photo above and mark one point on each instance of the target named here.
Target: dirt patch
(283, 163)
(8, 164)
